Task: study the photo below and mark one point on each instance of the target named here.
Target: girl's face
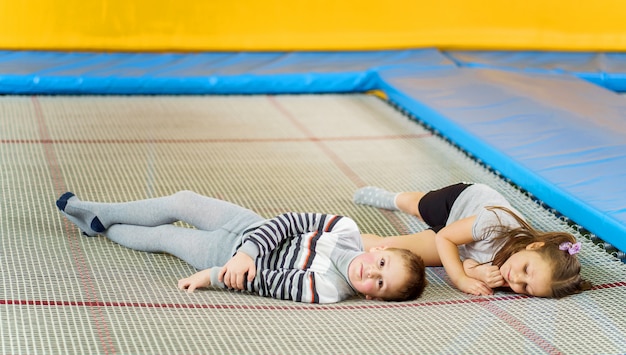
(527, 272)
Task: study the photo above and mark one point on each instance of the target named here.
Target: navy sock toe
(96, 225)
(62, 201)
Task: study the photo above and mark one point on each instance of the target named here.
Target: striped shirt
(303, 257)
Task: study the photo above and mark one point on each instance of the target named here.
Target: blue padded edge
(603, 69)
(202, 73)
(560, 138)
(526, 114)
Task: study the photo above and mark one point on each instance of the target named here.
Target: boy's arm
(447, 240)
(197, 280)
(288, 225)
(303, 286)
(266, 238)
(237, 270)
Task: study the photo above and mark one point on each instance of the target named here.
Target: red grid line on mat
(294, 306)
(393, 219)
(78, 255)
(521, 328)
(209, 140)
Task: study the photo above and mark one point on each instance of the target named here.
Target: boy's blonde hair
(415, 273)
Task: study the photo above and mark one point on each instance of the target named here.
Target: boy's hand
(487, 273)
(199, 279)
(233, 274)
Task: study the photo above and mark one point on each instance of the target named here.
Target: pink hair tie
(572, 248)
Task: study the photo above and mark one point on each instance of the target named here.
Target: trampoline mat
(66, 293)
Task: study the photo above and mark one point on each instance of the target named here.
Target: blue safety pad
(559, 137)
(528, 115)
(604, 69)
(31, 72)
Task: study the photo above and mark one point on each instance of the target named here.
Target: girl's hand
(473, 286)
(447, 241)
(197, 280)
(487, 273)
(233, 274)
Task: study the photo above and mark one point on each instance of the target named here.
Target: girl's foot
(376, 197)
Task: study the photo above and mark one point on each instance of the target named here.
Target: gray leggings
(146, 225)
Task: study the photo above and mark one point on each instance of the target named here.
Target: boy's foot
(88, 223)
(62, 201)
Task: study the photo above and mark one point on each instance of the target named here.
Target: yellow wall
(248, 25)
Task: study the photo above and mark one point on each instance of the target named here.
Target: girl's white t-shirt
(474, 201)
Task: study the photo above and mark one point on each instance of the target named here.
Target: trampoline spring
(582, 230)
(609, 247)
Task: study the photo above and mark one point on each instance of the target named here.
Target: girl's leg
(375, 197)
(200, 211)
(432, 207)
(396, 201)
(422, 244)
(435, 207)
(201, 249)
(407, 202)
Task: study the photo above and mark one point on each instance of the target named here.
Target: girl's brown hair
(566, 279)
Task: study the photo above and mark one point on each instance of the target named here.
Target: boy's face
(378, 273)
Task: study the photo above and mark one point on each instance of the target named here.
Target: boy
(304, 257)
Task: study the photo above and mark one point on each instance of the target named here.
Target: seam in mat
(521, 328)
(486, 302)
(78, 255)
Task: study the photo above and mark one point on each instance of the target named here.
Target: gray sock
(83, 219)
(81, 224)
(376, 197)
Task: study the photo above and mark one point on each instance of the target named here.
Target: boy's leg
(422, 244)
(201, 249)
(80, 220)
(200, 211)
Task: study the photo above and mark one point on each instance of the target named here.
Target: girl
(481, 241)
